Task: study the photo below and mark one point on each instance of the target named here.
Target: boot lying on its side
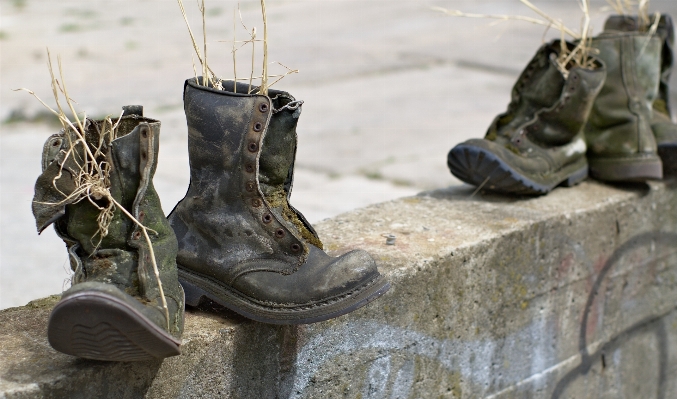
(537, 144)
(662, 125)
(114, 309)
(621, 143)
(241, 244)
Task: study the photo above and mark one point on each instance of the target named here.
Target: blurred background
(389, 87)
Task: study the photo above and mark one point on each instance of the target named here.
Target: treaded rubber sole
(668, 154)
(99, 326)
(626, 170)
(480, 167)
(198, 287)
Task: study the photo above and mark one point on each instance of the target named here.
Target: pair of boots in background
(610, 120)
(235, 237)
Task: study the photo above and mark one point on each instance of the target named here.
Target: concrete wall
(571, 295)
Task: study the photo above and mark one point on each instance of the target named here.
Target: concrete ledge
(569, 295)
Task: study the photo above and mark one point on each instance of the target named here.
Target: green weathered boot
(621, 143)
(241, 243)
(537, 144)
(115, 308)
(664, 129)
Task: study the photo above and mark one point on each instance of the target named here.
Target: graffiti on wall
(389, 353)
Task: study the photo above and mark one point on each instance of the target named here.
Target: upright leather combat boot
(537, 144)
(114, 309)
(621, 142)
(241, 243)
(662, 125)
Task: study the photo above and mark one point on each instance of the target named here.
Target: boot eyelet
(144, 132)
(250, 186)
(295, 247)
(258, 126)
(143, 155)
(249, 168)
(279, 233)
(263, 107)
(267, 218)
(256, 202)
(56, 143)
(137, 235)
(142, 215)
(253, 147)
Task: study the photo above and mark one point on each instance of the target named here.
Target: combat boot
(662, 125)
(537, 144)
(241, 244)
(117, 307)
(621, 142)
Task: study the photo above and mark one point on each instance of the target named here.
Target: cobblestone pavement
(389, 87)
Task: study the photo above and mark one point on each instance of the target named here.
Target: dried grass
(207, 73)
(639, 8)
(92, 172)
(579, 56)
(264, 77)
(645, 23)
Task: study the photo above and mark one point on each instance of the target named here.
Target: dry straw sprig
(207, 73)
(92, 174)
(625, 7)
(264, 79)
(639, 7)
(578, 56)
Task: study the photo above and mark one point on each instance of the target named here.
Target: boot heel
(576, 178)
(193, 294)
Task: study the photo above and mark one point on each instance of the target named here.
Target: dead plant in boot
(579, 56)
(85, 160)
(633, 7)
(645, 23)
(210, 78)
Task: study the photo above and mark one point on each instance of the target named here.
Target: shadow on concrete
(63, 376)
(466, 192)
(265, 360)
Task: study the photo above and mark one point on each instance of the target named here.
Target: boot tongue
(538, 87)
(546, 86)
(277, 154)
(276, 163)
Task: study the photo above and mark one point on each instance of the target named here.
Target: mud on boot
(241, 244)
(662, 122)
(621, 142)
(116, 309)
(537, 144)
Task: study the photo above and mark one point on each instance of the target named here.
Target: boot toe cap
(320, 279)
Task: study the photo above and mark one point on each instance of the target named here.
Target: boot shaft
(547, 107)
(619, 124)
(241, 149)
(538, 86)
(666, 32)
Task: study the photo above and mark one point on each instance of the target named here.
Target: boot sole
(480, 167)
(668, 155)
(639, 169)
(98, 326)
(198, 287)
